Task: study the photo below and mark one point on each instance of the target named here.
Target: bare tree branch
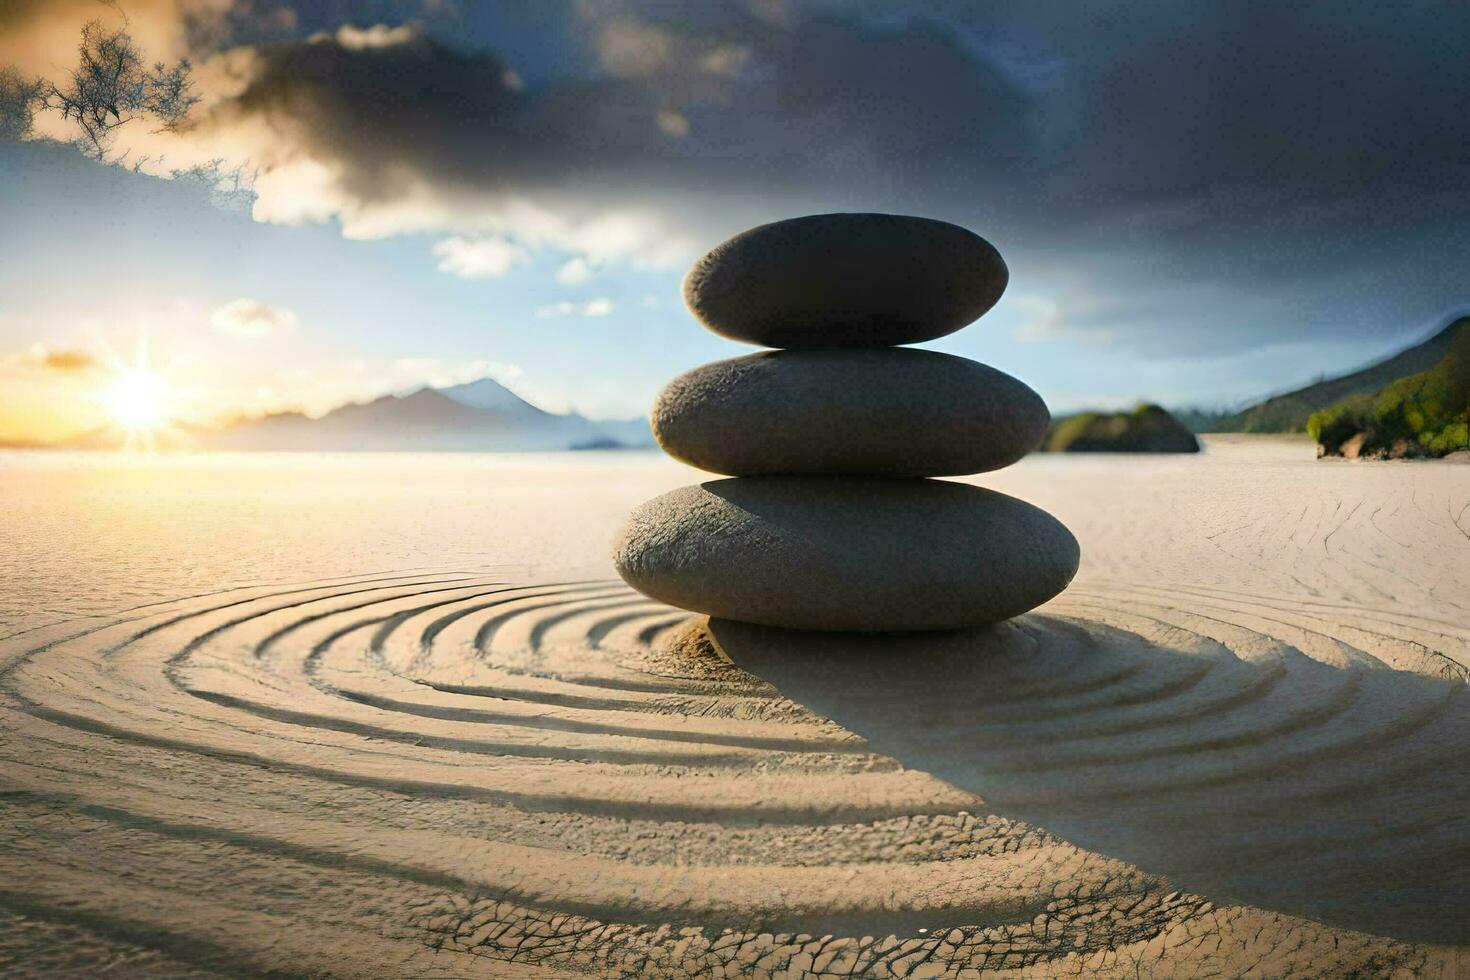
(19, 98)
(228, 187)
(111, 87)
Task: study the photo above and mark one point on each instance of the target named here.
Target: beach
(393, 714)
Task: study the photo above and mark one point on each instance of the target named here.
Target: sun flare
(138, 401)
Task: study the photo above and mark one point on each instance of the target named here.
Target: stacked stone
(832, 522)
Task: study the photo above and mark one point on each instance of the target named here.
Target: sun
(139, 400)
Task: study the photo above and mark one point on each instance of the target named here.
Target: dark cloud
(672, 136)
(1176, 177)
(743, 108)
(1323, 98)
(384, 106)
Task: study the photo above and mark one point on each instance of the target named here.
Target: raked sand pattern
(444, 773)
(447, 773)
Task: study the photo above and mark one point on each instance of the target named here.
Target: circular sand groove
(565, 774)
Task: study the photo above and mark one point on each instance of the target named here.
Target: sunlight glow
(138, 401)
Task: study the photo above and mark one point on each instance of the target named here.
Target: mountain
(482, 416)
(491, 396)
(1289, 412)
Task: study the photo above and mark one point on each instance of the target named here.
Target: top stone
(845, 280)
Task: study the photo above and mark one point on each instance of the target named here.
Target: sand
(381, 715)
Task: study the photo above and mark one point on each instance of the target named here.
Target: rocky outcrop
(1146, 429)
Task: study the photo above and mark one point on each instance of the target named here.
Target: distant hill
(1289, 412)
(1197, 419)
(1424, 414)
(482, 416)
(1146, 429)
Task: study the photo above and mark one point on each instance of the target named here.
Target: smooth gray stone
(835, 553)
(845, 280)
(889, 412)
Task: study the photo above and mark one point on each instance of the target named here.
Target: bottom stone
(830, 553)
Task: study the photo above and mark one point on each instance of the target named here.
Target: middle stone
(895, 412)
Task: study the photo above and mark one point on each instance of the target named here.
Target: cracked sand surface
(1236, 747)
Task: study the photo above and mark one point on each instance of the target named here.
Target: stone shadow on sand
(1260, 776)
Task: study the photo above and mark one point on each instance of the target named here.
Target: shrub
(1425, 414)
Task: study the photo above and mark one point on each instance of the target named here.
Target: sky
(1200, 203)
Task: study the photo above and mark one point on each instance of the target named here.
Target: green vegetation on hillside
(1290, 412)
(1425, 414)
(1146, 429)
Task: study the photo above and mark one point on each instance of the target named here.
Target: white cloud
(574, 271)
(377, 36)
(1078, 316)
(298, 176)
(479, 258)
(601, 306)
(630, 49)
(727, 59)
(673, 123)
(1041, 318)
(250, 318)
